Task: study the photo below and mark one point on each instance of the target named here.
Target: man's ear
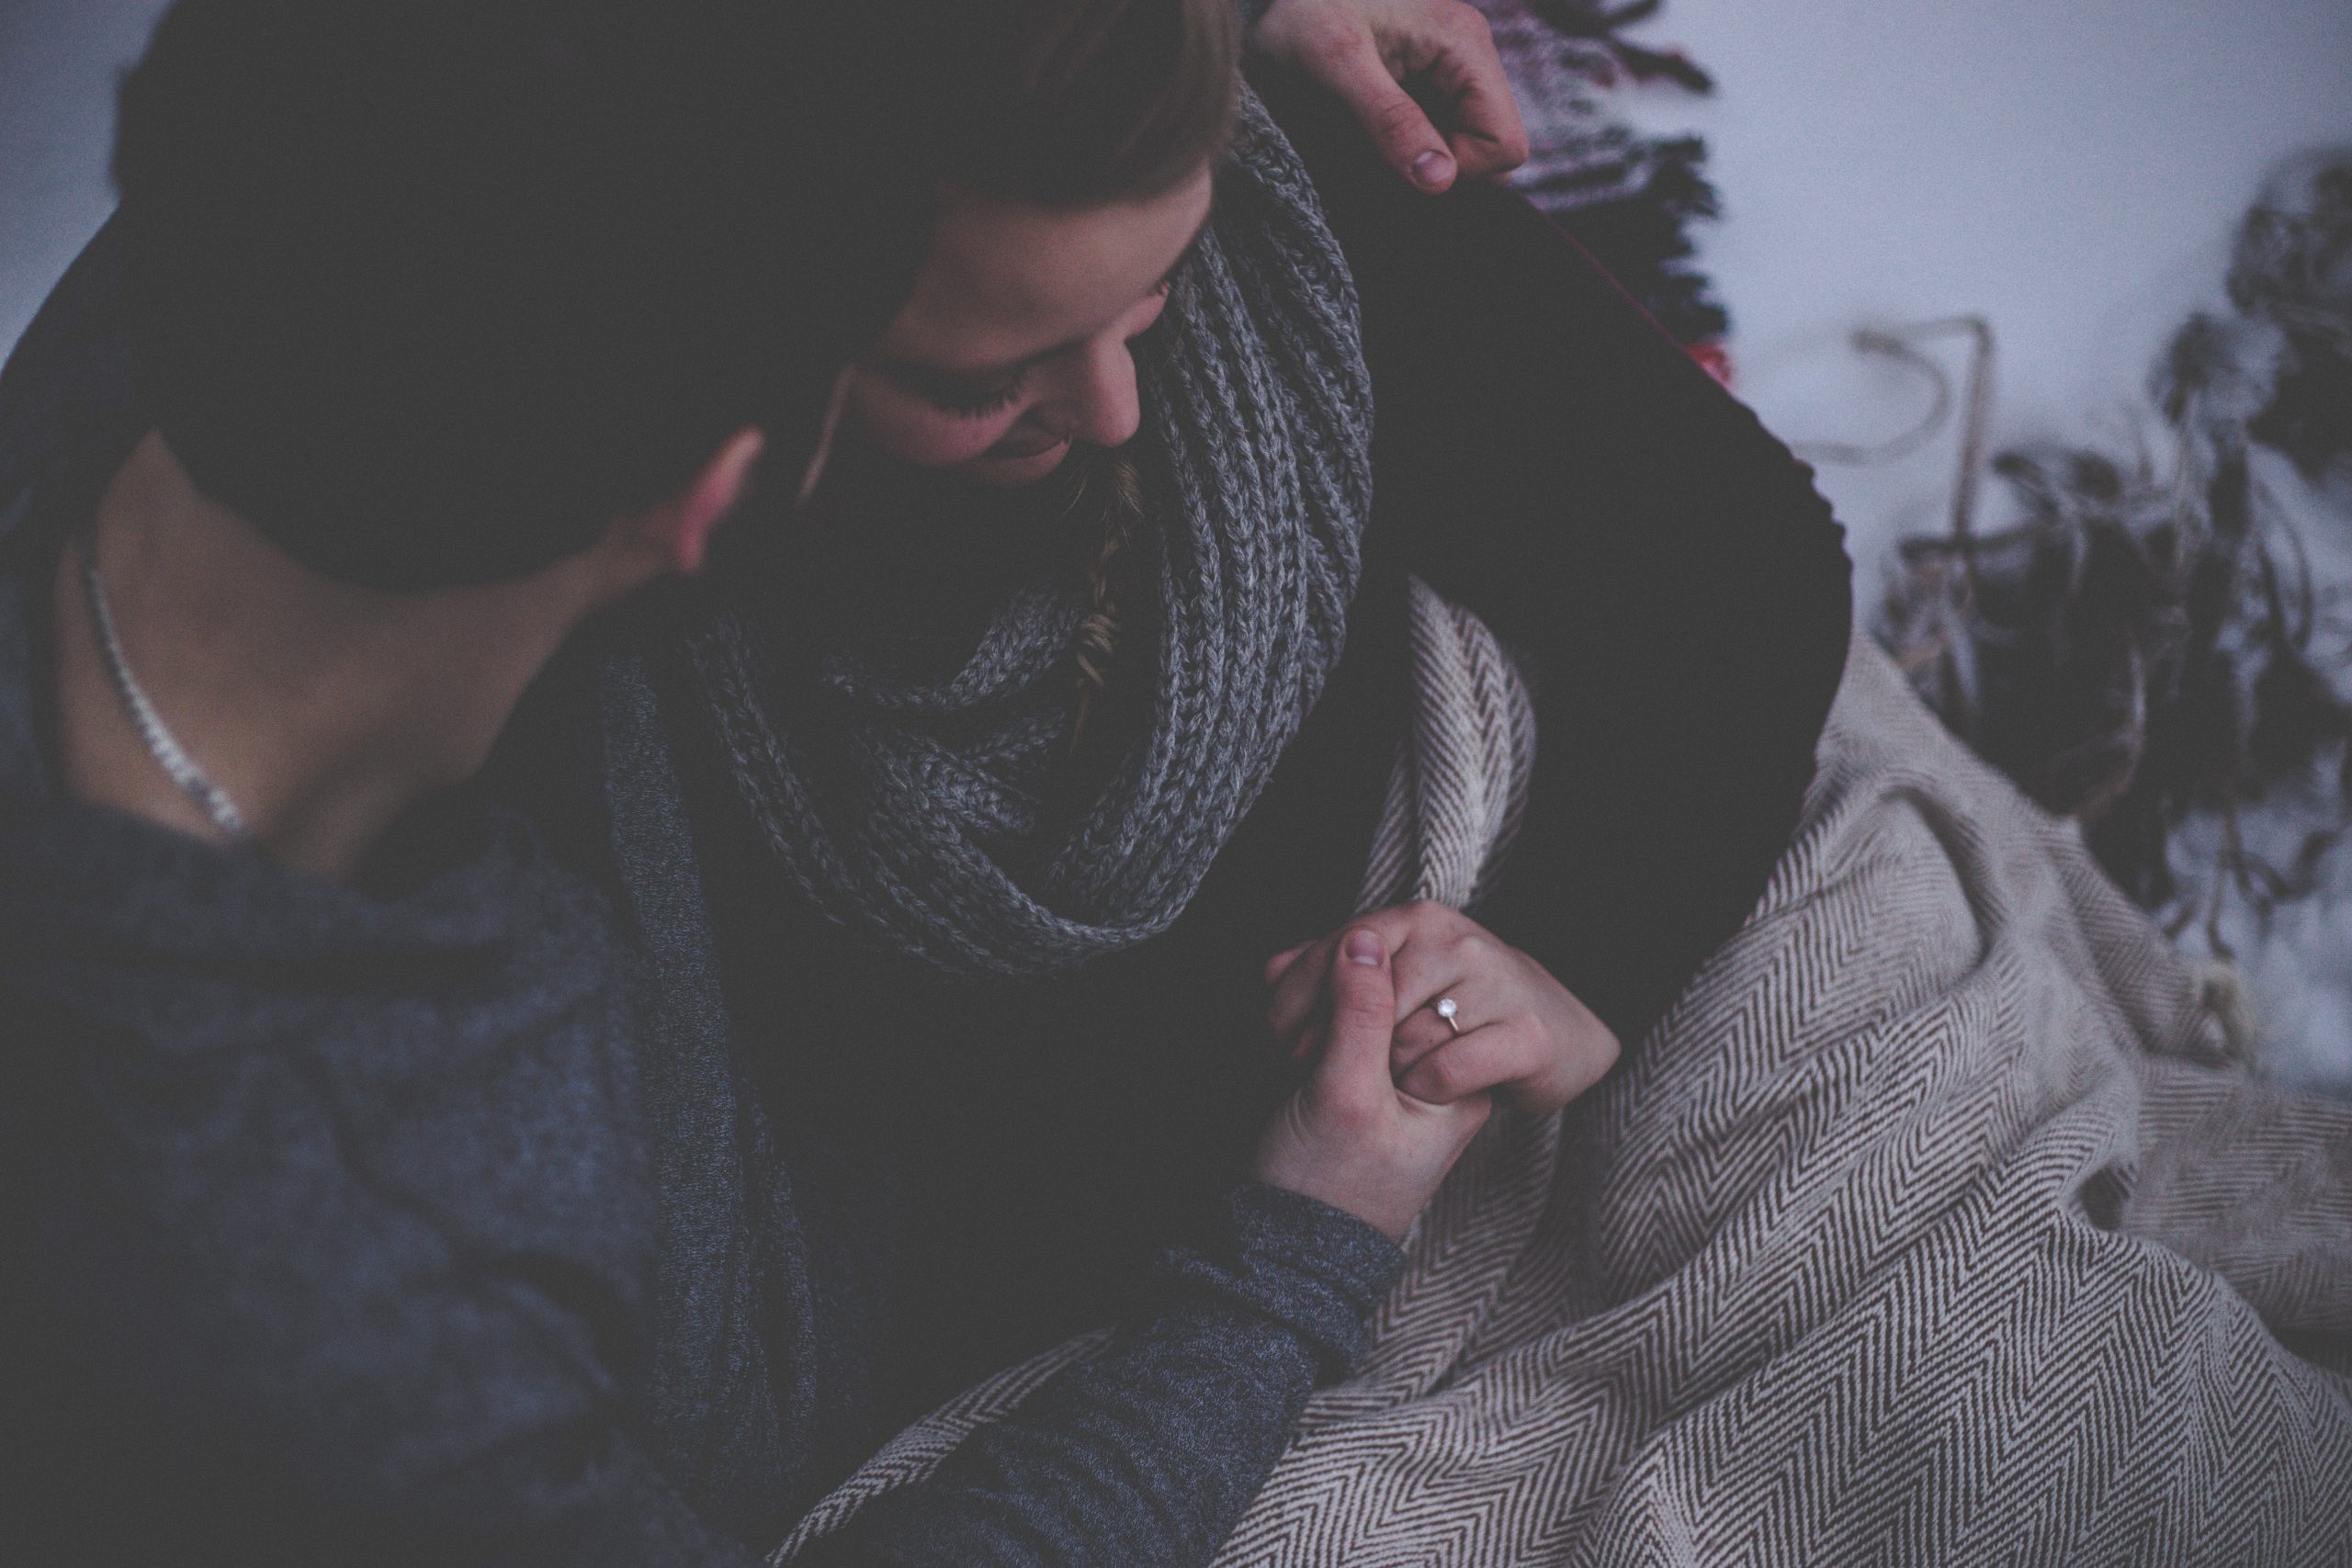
(678, 531)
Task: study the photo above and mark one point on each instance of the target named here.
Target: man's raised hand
(1422, 75)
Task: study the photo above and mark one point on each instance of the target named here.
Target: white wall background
(2073, 169)
(59, 60)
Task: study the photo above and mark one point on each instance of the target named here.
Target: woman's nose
(1097, 404)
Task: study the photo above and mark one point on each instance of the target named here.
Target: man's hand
(1421, 74)
(1349, 1137)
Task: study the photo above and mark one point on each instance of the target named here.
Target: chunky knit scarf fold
(914, 784)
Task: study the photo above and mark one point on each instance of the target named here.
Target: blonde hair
(1118, 487)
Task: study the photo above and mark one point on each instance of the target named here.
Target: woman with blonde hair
(1237, 559)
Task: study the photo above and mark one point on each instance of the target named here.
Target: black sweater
(1544, 455)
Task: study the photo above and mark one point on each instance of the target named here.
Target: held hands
(1395, 1095)
(1349, 1137)
(1386, 60)
(1523, 1036)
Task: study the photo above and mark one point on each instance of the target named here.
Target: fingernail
(1432, 168)
(1363, 947)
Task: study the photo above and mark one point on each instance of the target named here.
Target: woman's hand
(1524, 1037)
(1386, 60)
(1349, 1137)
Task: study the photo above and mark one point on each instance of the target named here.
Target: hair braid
(1106, 571)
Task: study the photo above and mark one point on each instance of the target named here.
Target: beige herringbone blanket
(1930, 1227)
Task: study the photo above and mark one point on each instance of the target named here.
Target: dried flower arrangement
(2156, 637)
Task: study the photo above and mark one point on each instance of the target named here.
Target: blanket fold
(1932, 1224)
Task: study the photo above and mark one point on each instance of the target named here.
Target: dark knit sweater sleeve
(1147, 1456)
(268, 1312)
(252, 1346)
(1545, 455)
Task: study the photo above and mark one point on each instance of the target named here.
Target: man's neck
(321, 710)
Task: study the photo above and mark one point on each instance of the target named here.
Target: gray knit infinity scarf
(922, 794)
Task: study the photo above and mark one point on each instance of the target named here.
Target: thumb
(1400, 130)
(1364, 1010)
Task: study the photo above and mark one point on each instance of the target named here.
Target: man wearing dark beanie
(450, 323)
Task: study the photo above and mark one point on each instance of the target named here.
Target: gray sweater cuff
(1310, 1268)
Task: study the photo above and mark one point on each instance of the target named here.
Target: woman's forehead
(1005, 283)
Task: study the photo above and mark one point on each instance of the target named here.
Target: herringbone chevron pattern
(1929, 1228)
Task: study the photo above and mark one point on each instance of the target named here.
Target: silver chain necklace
(162, 744)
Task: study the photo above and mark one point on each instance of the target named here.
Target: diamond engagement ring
(1446, 1007)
